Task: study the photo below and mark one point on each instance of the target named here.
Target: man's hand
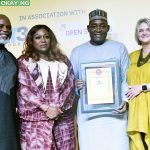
(122, 108)
(133, 91)
(79, 84)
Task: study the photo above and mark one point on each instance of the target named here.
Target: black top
(9, 131)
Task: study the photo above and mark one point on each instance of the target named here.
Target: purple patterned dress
(38, 132)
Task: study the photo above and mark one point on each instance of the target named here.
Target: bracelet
(144, 87)
(148, 87)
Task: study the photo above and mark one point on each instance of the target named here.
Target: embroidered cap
(97, 14)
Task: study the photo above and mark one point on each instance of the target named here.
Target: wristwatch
(144, 87)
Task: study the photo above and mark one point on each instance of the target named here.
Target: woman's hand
(44, 107)
(133, 91)
(52, 112)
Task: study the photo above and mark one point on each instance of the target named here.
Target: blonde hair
(145, 20)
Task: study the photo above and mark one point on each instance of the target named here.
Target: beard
(2, 41)
(98, 42)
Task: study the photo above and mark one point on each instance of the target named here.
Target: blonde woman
(138, 94)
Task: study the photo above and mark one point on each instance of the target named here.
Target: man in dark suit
(9, 139)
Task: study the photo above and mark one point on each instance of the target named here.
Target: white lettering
(9, 3)
(24, 3)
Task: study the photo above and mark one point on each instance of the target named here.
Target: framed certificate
(101, 93)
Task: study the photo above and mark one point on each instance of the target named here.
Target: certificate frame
(99, 104)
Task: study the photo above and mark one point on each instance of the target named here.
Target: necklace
(141, 60)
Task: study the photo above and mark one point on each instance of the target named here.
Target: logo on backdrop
(18, 36)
